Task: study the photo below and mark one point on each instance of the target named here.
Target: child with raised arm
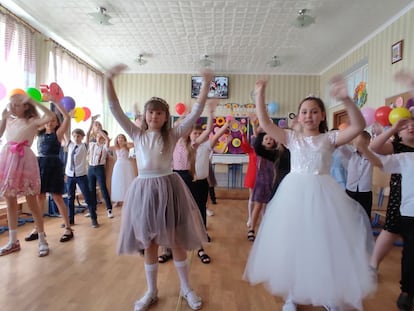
(403, 164)
(19, 170)
(314, 241)
(158, 208)
(52, 175)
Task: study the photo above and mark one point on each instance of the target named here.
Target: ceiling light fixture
(303, 20)
(274, 62)
(206, 61)
(101, 17)
(140, 60)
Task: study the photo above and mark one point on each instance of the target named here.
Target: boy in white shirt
(76, 172)
(403, 163)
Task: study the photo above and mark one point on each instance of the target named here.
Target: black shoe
(66, 237)
(32, 236)
(405, 302)
(95, 223)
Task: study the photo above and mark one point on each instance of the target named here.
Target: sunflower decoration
(360, 95)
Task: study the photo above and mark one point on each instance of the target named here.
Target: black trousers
(407, 259)
(363, 198)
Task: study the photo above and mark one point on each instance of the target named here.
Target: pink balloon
(369, 115)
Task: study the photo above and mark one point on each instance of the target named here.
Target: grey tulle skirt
(160, 210)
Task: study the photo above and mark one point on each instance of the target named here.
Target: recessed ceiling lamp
(274, 62)
(140, 60)
(303, 20)
(101, 17)
(206, 61)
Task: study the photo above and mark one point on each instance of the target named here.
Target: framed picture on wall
(397, 51)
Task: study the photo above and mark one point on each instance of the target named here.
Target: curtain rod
(32, 29)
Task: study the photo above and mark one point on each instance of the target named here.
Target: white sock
(182, 270)
(151, 272)
(42, 238)
(12, 236)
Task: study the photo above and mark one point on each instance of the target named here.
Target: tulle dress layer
(19, 171)
(314, 242)
(162, 210)
(122, 175)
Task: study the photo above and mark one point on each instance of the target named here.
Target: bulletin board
(405, 96)
(230, 142)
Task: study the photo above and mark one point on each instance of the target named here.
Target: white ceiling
(241, 36)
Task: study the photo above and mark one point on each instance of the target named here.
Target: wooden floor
(86, 275)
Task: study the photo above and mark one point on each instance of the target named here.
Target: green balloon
(34, 94)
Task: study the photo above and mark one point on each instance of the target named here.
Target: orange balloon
(16, 91)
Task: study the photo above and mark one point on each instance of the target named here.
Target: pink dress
(19, 170)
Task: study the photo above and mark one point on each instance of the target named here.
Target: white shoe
(110, 214)
(43, 249)
(87, 215)
(145, 301)
(193, 301)
(209, 212)
(289, 306)
(328, 308)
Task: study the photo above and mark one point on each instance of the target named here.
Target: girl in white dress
(314, 242)
(123, 172)
(159, 209)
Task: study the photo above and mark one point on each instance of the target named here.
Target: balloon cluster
(385, 115)
(51, 92)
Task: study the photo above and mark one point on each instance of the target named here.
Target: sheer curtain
(17, 54)
(78, 81)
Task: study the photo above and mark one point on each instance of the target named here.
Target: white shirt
(80, 156)
(359, 170)
(402, 163)
(202, 160)
(97, 154)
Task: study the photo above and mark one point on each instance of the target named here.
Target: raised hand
(116, 70)
(339, 87)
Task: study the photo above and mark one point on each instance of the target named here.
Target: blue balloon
(273, 107)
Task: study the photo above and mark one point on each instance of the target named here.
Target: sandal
(251, 236)
(145, 301)
(193, 301)
(203, 256)
(66, 236)
(43, 249)
(34, 235)
(165, 257)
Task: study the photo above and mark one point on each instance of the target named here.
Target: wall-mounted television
(219, 87)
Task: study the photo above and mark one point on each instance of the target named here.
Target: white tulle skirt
(122, 177)
(314, 244)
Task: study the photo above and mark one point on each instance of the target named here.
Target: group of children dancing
(314, 245)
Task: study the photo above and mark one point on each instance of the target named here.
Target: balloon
(369, 115)
(2, 91)
(412, 111)
(408, 105)
(79, 114)
(180, 108)
(229, 118)
(87, 113)
(399, 102)
(381, 115)
(398, 113)
(56, 92)
(16, 91)
(342, 126)
(273, 107)
(68, 103)
(281, 123)
(34, 94)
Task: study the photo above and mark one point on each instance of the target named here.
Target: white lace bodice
(122, 153)
(311, 154)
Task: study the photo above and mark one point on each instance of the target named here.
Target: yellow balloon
(79, 114)
(398, 113)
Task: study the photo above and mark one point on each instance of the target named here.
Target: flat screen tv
(219, 87)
